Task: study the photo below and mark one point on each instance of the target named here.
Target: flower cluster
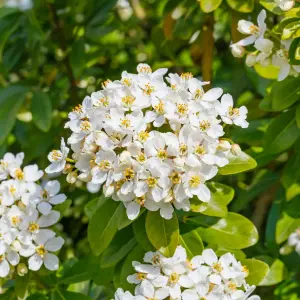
(203, 277)
(25, 215)
(269, 50)
(294, 240)
(148, 143)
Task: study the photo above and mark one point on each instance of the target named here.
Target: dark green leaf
(192, 243)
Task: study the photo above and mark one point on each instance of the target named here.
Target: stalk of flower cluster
(148, 140)
(270, 50)
(26, 217)
(203, 277)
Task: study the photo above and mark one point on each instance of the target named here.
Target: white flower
(58, 159)
(6, 259)
(21, 4)
(10, 162)
(294, 240)
(237, 50)
(246, 27)
(285, 5)
(121, 295)
(229, 114)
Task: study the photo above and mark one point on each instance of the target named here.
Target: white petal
(60, 198)
(44, 207)
(51, 261)
(35, 262)
(4, 268)
(133, 210)
(54, 244)
(50, 219)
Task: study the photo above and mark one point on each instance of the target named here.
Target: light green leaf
(239, 254)
(292, 30)
(277, 273)
(271, 6)
(192, 243)
(209, 5)
(11, 100)
(41, 108)
(282, 133)
(269, 72)
(233, 232)
(163, 234)
(258, 270)
(238, 164)
(221, 196)
(103, 226)
(244, 6)
(285, 226)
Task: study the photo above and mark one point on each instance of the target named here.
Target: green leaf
(294, 52)
(282, 133)
(221, 196)
(81, 270)
(298, 115)
(209, 5)
(239, 254)
(77, 58)
(238, 164)
(258, 270)
(137, 254)
(66, 295)
(163, 234)
(285, 226)
(8, 25)
(277, 273)
(118, 249)
(139, 229)
(271, 6)
(103, 226)
(11, 100)
(92, 206)
(41, 108)
(293, 207)
(21, 285)
(63, 208)
(6, 10)
(244, 6)
(269, 72)
(292, 30)
(192, 243)
(285, 93)
(104, 276)
(233, 232)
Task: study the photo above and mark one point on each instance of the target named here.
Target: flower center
(186, 76)
(182, 108)
(19, 174)
(15, 220)
(128, 174)
(148, 89)
(141, 276)
(175, 178)
(160, 108)
(145, 69)
(199, 150)
(125, 123)
(33, 227)
(85, 126)
(141, 157)
(162, 154)
(56, 155)
(103, 101)
(195, 181)
(232, 286)
(174, 277)
(104, 165)
(198, 93)
(40, 250)
(78, 108)
(126, 81)
(128, 100)
(211, 287)
(254, 29)
(245, 270)
(151, 181)
(143, 136)
(233, 111)
(217, 267)
(183, 149)
(156, 259)
(12, 189)
(204, 125)
(140, 200)
(2, 257)
(106, 83)
(45, 194)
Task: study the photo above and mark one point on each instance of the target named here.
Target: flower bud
(68, 169)
(236, 150)
(224, 145)
(250, 60)
(22, 269)
(72, 177)
(237, 50)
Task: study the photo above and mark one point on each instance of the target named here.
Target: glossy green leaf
(11, 100)
(92, 206)
(104, 276)
(123, 218)
(41, 109)
(293, 207)
(285, 226)
(209, 5)
(103, 226)
(163, 234)
(294, 52)
(269, 72)
(285, 93)
(258, 270)
(238, 164)
(244, 6)
(192, 243)
(221, 196)
(282, 132)
(233, 232)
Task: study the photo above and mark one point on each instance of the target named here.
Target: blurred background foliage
(54, 54)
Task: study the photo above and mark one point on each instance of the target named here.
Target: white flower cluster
(203, 277)
(25, 215)
(285, 5)
(149, 144)
(268, 51)
(294, 240)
